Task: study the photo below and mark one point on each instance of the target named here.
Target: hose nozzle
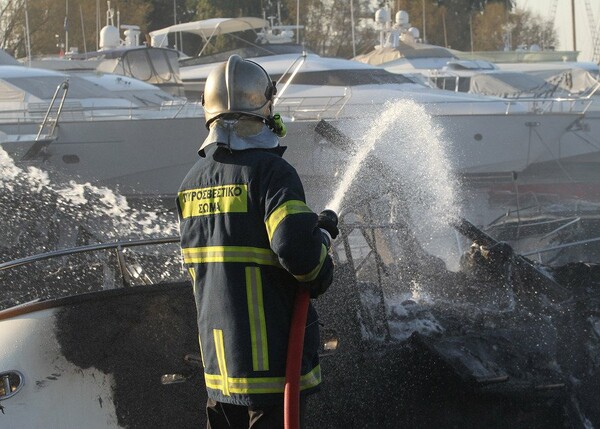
(330, 215)
(328, 221)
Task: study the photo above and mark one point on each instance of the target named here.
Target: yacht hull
(96, 360)
(135, 156)
(149, 158)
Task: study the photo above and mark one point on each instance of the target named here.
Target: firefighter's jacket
(249, 241)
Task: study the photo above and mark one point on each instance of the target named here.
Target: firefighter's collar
(240, 134)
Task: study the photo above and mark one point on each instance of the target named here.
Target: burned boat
(500, 343)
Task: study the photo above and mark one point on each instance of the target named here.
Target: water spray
(400, 147)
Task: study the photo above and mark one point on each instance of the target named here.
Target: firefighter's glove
(328, 222)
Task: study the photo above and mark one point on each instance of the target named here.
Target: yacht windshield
(351, 77)
(250, 51)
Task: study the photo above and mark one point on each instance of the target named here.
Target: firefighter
(249, 241)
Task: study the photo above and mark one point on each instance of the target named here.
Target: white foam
(98, 209)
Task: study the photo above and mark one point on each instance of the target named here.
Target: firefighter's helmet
(238, 87)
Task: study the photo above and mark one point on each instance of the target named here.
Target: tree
(51, 22)
(449, 22)
(532, 29)
(162, 14)
(229, 8)
(494, 32)
(489, 28)
(327, 24)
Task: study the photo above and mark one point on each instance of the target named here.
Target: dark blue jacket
(249, 241)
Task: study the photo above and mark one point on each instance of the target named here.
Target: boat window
(160, 63)
(449, 83)
(138, 64)
(349, 77)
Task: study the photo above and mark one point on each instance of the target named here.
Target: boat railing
(118, 247)
(313, 107)
(50, 121)
(342, 106)
(556, 104)
(74, 111)
(546, 102)
(298, 108)
(298, 62)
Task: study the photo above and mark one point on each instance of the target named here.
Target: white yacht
(543, 88)
(484, 135)
(103, 128)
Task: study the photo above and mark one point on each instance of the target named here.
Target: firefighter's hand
(328, 221)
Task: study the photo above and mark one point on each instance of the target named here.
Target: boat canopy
(208, 28)
(381, 56)
(507, 84)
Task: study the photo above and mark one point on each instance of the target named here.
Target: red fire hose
(291, 395)
(293, 368)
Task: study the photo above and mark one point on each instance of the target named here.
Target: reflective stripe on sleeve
(315, 272)
(258, 325)
(260, 384)
(256, 255)
(280, 213)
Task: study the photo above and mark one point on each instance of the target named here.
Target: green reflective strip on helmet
(220, 349)
(256, 255)
(261, 384)
(258, 325)
(280, 213)
(315, 272)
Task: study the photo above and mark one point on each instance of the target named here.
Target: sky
(563, 22)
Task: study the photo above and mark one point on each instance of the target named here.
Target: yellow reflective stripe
(257, 255)
(232, 198)
(261, 385)
(258, 325)
(201, 352)
(192, 272)
(220, 348)
(280, 213)
(315, 272)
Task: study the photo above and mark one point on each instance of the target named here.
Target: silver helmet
(237, 87)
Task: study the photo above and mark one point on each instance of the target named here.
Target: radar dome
(414, 32)
(382, 16)
(402, 18)
(109, 37)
